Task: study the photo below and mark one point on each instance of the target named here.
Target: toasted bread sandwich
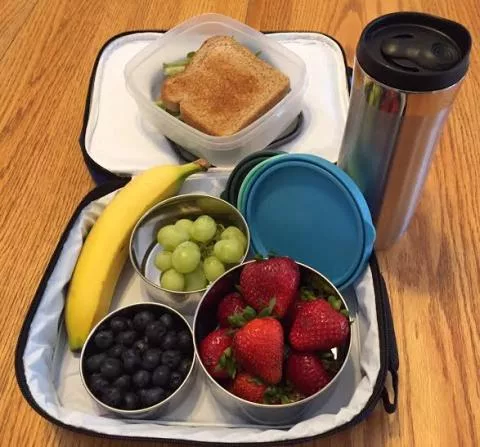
(224, 88)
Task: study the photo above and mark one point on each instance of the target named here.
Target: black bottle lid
(414, 52)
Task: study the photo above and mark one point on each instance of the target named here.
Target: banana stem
(203, 164)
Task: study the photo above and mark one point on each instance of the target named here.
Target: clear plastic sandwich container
(144, 76)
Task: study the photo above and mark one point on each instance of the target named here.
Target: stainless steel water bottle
(407, 72)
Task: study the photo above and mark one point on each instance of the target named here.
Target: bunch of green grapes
(197, 252)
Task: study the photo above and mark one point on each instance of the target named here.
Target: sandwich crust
(224, 88)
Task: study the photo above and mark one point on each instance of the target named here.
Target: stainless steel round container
(162, 407)
(205, 322)
(144, 246)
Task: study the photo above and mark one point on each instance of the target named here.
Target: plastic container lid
(289, 134)
(307, 208)
(248, 180)
(241, 170)
(144, 76)
(414, 52)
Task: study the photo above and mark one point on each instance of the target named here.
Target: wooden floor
(47, 48)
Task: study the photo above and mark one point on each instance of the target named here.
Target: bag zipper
(385, 329)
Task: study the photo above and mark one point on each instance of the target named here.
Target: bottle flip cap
(414, 52)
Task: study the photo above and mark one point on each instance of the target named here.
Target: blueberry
(111, 368)
(103, 327)
(184, 367)
(131, 360)
(123, 382)
(161, 375)
(141, 394)
(126, 338)
(176, 380)
(131, 401)
(151, 359)
(94, 362)
(155, 332)
(167, 321)
(184, 341)
(141, 345)
(153, 396)
(97, 383)
(103, 339)
(171, 358)
(141, 379)
(118, 324)
(141, 320)
(116, 351)
(169, 340)
(112, 397)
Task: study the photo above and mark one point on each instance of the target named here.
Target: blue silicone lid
(249, 179)
(307, 208)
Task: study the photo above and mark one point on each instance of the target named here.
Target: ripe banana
(106, 247)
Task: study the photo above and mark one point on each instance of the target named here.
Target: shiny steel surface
(387, 147)
(144, 236)
(205, 322)
(166, 405)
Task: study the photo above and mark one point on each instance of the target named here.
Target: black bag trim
(99, 173)
(388, 346)
(393, 361)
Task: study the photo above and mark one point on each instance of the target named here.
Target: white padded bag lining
(52, 371)
(118, 140)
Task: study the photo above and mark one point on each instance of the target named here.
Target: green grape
(229, 251)
(195, 280)
(186, 257)
(172, 280)
(234, 233)
(170, 236)
(184, 224)
(203, 229)
(213, 268)
(163, 260)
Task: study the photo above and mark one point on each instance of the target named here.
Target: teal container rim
(240, 171)
(250, 179)
(345, 183)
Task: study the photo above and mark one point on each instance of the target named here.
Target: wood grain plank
(44, 76)
(13, 16)
(46, 54)
(432, 273)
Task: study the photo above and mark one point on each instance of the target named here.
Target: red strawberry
(302, 297)
(318, 327)
(295, 307)
(306, 373)
(274, 278)
(215, 352)
(292, 313)
(233, 311)
(248, 387)
(258, 348)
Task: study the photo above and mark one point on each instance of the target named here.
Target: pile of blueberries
(137, 360)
